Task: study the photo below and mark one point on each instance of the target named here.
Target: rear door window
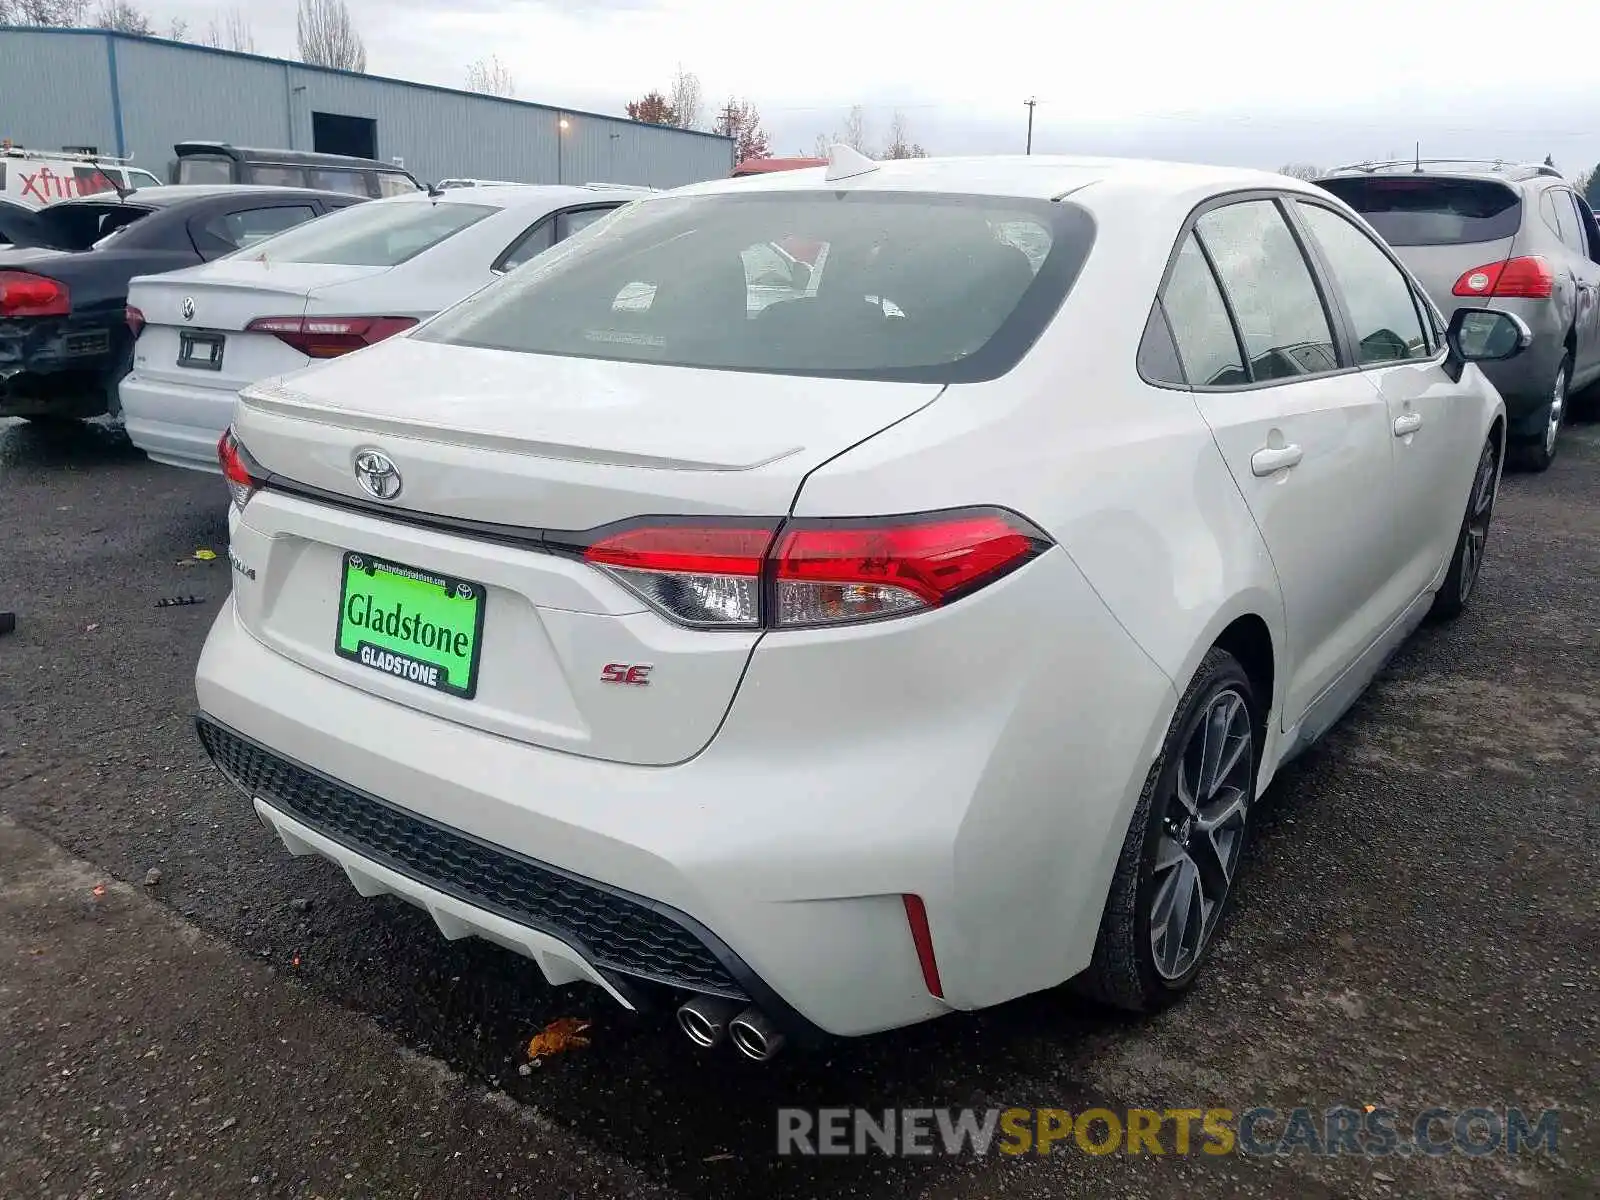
(374, 234)
(1275, 302)
(393, 184)
(1408, 211)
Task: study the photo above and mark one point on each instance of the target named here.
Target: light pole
(1030, 102)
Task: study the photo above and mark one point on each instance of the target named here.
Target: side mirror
(1484, 335)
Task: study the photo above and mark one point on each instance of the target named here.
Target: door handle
(1407, 423)
(1270, 459)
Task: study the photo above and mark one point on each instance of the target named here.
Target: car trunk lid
(501, 457)
(187, 313)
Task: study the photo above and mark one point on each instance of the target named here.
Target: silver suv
(1512, 235)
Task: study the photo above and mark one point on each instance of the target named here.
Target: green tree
(1591, 191)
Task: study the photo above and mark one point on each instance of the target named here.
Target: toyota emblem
(377, 474)
(188, 308)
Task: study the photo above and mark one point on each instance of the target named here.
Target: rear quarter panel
(1127, 479)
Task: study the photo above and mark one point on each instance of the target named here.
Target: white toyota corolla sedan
(911, 642)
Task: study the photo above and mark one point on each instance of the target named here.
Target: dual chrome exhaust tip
(706, 1020)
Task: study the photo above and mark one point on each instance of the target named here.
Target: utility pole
(1030, 102)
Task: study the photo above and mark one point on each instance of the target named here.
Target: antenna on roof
(845, 163)
(1417, 170)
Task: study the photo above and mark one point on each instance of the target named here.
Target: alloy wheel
(1202, 834)
(1480, 508)
(1558, 403)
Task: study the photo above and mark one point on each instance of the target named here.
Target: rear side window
(1199, 322)
(1431, 212)
(912, 286)
(270, 175)
(243, 229)
(1268, 283)
(351, 183)
(374, 234)
(204, 169)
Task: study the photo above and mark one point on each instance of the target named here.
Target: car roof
(1500, 170)
(269, 155)
(522, 195)
(1036, 176)
(160, 197)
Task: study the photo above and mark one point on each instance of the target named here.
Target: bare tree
(686, 99)
(178, 30)
(820, 147)
(43, 12)
(122, 17)
(491, 76)
(855, 130)
(1300, 170)
(234, 33)
(327, 37)
(900, 144)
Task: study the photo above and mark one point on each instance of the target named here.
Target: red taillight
(922, 939)
(699, 574)
(238, 469)
(135, 320)
(814, 573)
(1527, 278)
(26, 295)
(329, 337)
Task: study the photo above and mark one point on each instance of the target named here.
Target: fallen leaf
(205, 555)
(91, 628)
(564, 1033)
(716, 1158)
(99, 889)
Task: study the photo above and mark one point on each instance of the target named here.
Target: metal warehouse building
(137, 96)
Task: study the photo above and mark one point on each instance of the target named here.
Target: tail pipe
(704, 1019)
(755, 1035)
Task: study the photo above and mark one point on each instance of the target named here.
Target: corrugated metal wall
(55, 90)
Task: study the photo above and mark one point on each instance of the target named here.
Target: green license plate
(411, 624)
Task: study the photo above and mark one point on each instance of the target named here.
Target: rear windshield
(1432, 212)
(370, 235)
(194, 168)
(909, 286)
(83, 226)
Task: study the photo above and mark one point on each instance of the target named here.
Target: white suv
(906, 645)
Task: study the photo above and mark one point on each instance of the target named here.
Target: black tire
(1536, 454)
(1466, 563)
(1124, 972)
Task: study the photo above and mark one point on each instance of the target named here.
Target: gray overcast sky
(1248, 82)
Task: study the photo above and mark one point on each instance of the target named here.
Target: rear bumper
(782, 853)
(176, 424)
(60, 366)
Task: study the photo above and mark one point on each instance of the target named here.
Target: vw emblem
(377, 475)
(188, 308)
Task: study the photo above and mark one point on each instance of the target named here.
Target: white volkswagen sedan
(320, 291)
(912, 643)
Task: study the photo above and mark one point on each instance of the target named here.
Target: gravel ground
(1418, 925)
